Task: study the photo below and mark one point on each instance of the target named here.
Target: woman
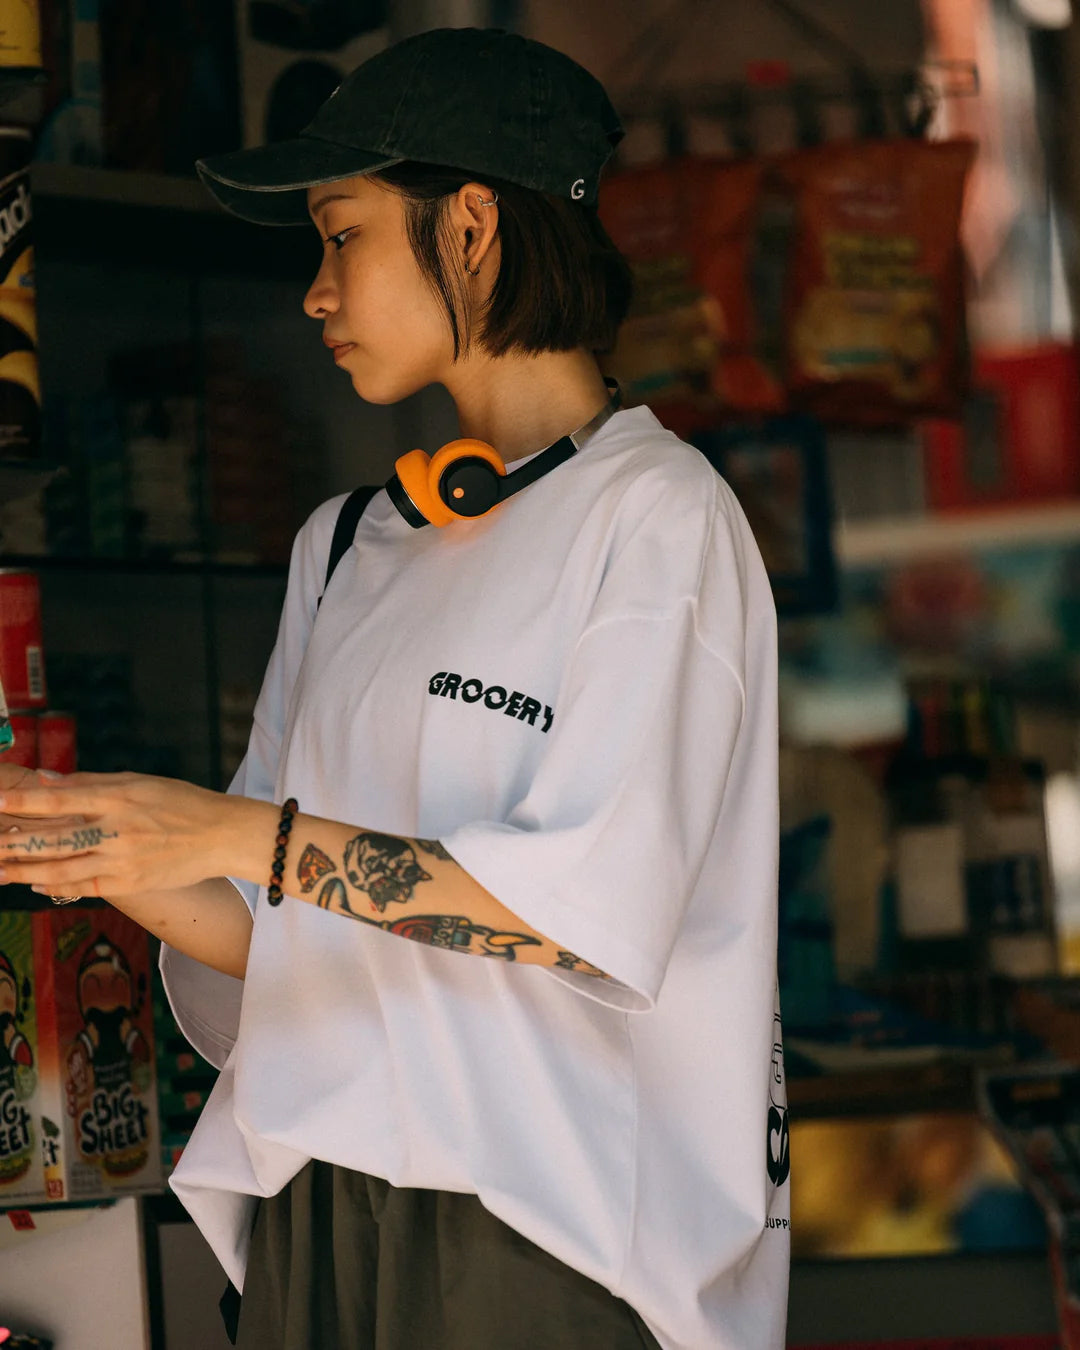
(543, 734)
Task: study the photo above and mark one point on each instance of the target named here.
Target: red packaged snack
(690, 347)
(875, 301)
(1019, 437)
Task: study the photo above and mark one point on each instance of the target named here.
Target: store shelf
(21, 477)
(37, 562)
(905, 539)
(168, 223)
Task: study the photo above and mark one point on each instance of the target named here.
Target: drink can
(20, 385)
(22, 667)
(56, 741)
(23, 750)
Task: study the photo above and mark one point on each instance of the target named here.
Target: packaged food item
(23, 749)
(1018, 438)
(22, 668)
(21, 1172)
(96, 1039)
(57, 747)
(692, 346)
(875, 308)
(20, 385)
(20, 37)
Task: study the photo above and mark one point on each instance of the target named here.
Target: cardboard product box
(96, 1038)
(284, 76)
(21, 1172)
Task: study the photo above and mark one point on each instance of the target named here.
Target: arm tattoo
(77, 841)
(312, 867)
(455, 933)
(451, 932)
(384, 868)
(568, 961)
(436, 849)
(332, 896)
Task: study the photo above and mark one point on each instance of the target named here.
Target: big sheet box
(96, 1045)
(21, 1176)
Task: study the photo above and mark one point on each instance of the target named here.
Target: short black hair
(562, 282)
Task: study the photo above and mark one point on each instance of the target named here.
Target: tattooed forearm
(451, 932)
(568, 961)
(436, 849)
(314, 864)
(78, 841)
(384, 868)
(384, 881)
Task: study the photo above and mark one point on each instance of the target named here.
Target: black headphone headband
(470, 486)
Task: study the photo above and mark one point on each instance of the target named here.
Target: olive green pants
(344, 1261)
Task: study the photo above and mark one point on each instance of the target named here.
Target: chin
(384, 392)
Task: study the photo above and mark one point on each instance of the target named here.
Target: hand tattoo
(383, 867)
(77, 842)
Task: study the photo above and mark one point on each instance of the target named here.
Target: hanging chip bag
(875, 300)
(689, 347)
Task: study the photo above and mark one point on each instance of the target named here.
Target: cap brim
(268, 184)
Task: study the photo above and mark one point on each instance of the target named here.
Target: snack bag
(21, 1175)
(690, 346)
(97, 1047)
(875, 308)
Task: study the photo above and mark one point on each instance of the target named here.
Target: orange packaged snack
(690, 347)
(875, 303)
(96, 1040)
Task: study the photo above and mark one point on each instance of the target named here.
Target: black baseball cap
(482, 100)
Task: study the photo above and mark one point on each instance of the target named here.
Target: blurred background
(854, 234)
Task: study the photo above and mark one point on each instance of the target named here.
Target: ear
(474, 225)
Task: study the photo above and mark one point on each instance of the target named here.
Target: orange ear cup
(420, 475)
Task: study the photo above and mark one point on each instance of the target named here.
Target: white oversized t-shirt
(577, 696)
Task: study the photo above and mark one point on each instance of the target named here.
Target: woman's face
(370, 292)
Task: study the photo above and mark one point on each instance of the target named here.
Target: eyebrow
(316, 207)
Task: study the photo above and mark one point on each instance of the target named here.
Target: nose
(322, 298)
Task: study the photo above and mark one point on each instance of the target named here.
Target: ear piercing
(494, 199)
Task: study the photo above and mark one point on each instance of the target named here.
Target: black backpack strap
(352, 509)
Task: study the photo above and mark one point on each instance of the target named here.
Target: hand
(97, 834)
(14, 777)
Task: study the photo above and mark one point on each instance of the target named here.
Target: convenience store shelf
(165, 222)
(907, 538)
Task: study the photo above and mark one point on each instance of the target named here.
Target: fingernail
(49, 773)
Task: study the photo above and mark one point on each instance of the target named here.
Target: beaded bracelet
(281, 844)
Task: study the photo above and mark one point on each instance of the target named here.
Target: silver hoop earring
(471, 272)
(494, 199)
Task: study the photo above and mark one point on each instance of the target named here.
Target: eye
(338, 240)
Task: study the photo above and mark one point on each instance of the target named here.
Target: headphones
(467, 478)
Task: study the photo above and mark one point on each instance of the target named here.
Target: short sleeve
(205, 1002)
(604, 850)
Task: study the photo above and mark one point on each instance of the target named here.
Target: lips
(338, 349)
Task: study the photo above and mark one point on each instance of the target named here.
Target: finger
(75, 877)
(49, 841)
(55, 800)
